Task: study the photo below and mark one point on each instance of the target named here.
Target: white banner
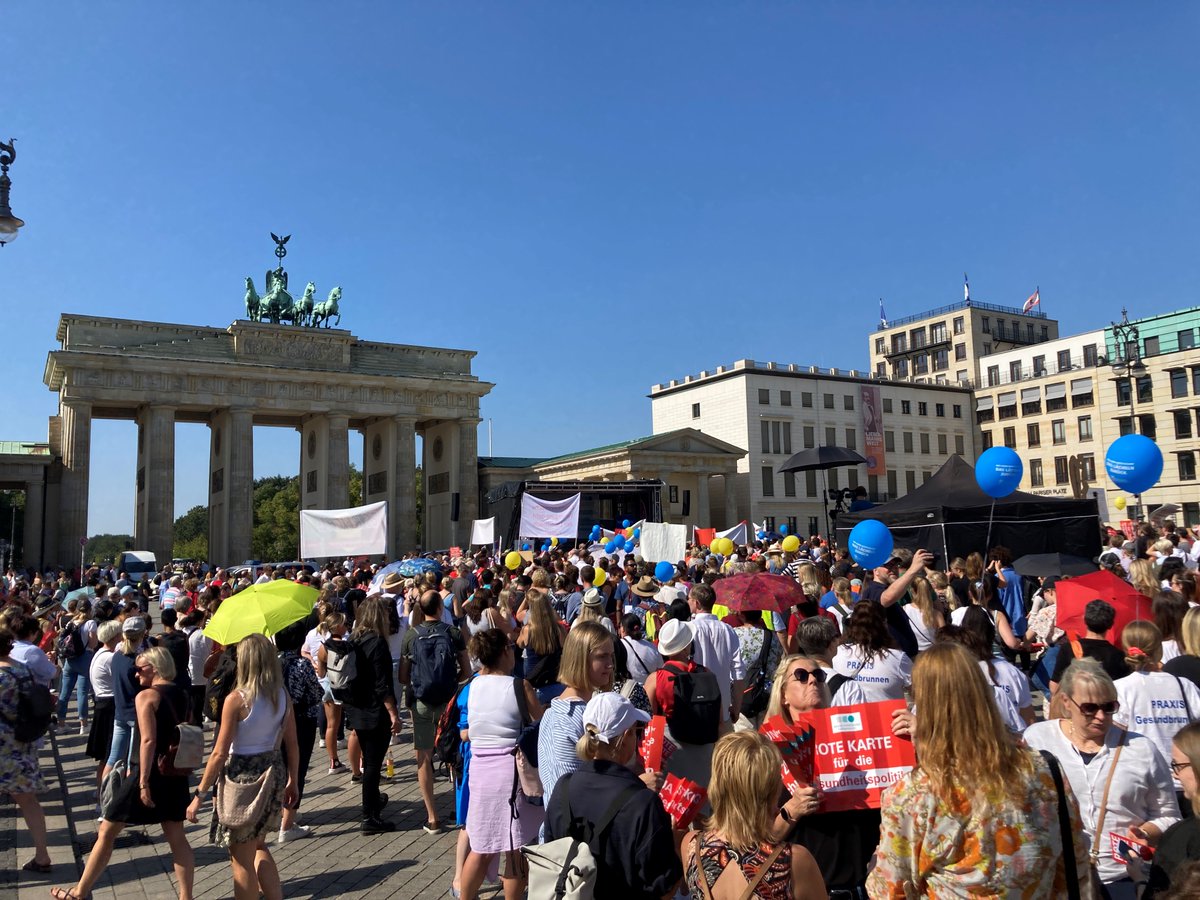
(662, 541)
(549, 518)
(739, 534)
(361, 531)
(483, 531)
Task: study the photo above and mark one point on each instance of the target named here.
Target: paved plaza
(337, 861)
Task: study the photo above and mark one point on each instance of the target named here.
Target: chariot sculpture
(276, 304)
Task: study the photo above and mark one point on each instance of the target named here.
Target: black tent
(949, 516)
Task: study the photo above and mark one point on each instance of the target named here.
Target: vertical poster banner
(857, 756)
(872, 418)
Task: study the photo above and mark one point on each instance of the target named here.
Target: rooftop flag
(1035, 299)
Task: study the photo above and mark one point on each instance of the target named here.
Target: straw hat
(646, 586)
(675, 636)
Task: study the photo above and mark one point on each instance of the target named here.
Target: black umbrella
(823, 458)
(1061, 564)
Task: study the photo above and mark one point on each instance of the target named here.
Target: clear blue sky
(597, 197)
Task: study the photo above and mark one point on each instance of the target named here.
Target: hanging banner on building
(662, 541)
(549, 518)
(344, 532)
(856, 754)
(872, 416)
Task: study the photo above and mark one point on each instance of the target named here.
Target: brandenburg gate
(321, 381)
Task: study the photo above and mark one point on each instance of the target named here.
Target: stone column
(731, 510)
(154, 526)
(239, 486)
(337, 462)
(76, 418)
(468, 479)
(402, 512)
(702, 515)
(31, 554)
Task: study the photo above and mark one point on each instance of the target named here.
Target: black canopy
(948, 516)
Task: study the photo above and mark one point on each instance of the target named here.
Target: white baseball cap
(611, 715)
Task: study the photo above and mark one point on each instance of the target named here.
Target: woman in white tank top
(255, 720)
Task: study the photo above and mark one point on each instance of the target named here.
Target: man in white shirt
(27, 630)
(716, 647)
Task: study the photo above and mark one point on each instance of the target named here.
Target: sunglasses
(802, 675)
(1177, 767)
(1090, 709)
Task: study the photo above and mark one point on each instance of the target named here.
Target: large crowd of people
(1049, 763)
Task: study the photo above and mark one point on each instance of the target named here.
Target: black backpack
(757, 692)
(34, 709)
(220, 683)
(696, 705)
(70, 643)
(434, 671)
(447, 742)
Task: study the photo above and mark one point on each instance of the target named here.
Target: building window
(1125, 425)
(937, 332)
(830, 437)
(1032, 407)
(924, 441)
(908, 442)
(881, 369)
(910, 481)
(1191, 512)
(1008, 408)
(829, 401)
(848, 401)
(987, 347)
(768, 481)
(957, 411)
(893, 489)
(1147, 425)
(810, 483)
(1196, 380)
(880, 344)
(791, 524)
(1183, 423)
(806, 399)
(1062, 472)
(943, 446)
(906, 407)
(1035, 472)
(1090, 356)
(769, 523)
(1010, 436)
(1179, 383)
(922, 408)
(986, 324)
(1045, 333)
(889, 441)
(1087, 465)
(851, 438)
(985, 415)
(921, 364)
(810, 437)
(941, 360)
(999, 329)
(1064, 360)
(887, 404)
(1187, 465)
(939, 410)
(960, 352)
(1014, 370)
(993, 374)
(695, 410)
(959, 325)
(959, 445)
(1145, 389)
(985, 439)
(764, 397)
(789, 484)
(1039, 366)
(1186, 338)
(1123, 392)
(766, 435)
(1085, 428)
(1058, 431)
(899, 343)
(1151, 346)
(1033, 434)
(1081, 393)
(785, 398)
(787, 438)
(918, 338)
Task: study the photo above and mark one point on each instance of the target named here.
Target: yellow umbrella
(261, 609)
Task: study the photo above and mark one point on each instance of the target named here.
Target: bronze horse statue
(327, 309)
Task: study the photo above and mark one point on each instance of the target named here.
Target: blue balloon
(761, 535)
(871, 543)
(546, 548)
(525, 546)
(1134, 463)
(664, 571)
(625, 523)
(783, 529)
(998, 471)
(611, 547)
(637, 534)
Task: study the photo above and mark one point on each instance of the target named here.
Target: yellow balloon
(1119, 503)
(791, 543)
(723, 546)
(512, 561)
(601, 577)
(553, 542)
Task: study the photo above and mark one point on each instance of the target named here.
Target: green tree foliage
(104, 548)
(191, 534)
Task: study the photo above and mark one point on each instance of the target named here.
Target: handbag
(238, 804)
(186, 752)
(756, 695)
(120, 786)
(528, 776)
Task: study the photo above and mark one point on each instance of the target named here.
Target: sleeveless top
(258, 731)
(715, 855)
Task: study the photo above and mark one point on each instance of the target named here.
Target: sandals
(41, 868)
(67, 894)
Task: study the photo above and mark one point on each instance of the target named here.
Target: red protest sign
(682, 800)
(454, 552)
(656, 748)
(796, 744)
(857, 756)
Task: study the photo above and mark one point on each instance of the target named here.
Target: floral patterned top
(929, 847)
(1043, 625)
(716, 855)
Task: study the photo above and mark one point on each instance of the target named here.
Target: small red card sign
(854, 755)
(682, 799)
(656, 748)
(454, 552)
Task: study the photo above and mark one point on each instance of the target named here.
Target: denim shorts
(121, 739)
(328, 698)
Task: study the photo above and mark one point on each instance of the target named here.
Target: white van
(137, 563)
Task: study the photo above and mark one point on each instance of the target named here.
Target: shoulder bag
(186, 753)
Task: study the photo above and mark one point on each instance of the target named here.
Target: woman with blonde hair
(162, 799)
(1153, 702)
(978, 815)
(256, 719)
(1143, 578)
(1187, 664)
(588, 660)
(1180, 843)
(736, 851)
(541, 642)
(973, 568)
(333, 626)
(923, 612)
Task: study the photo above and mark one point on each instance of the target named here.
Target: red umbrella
(1073, 594)
(776, 593)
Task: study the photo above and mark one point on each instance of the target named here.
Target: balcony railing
(955, 307)
(1006, 376)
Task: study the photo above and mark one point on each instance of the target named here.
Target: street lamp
(9, 224)
(1128, 365)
